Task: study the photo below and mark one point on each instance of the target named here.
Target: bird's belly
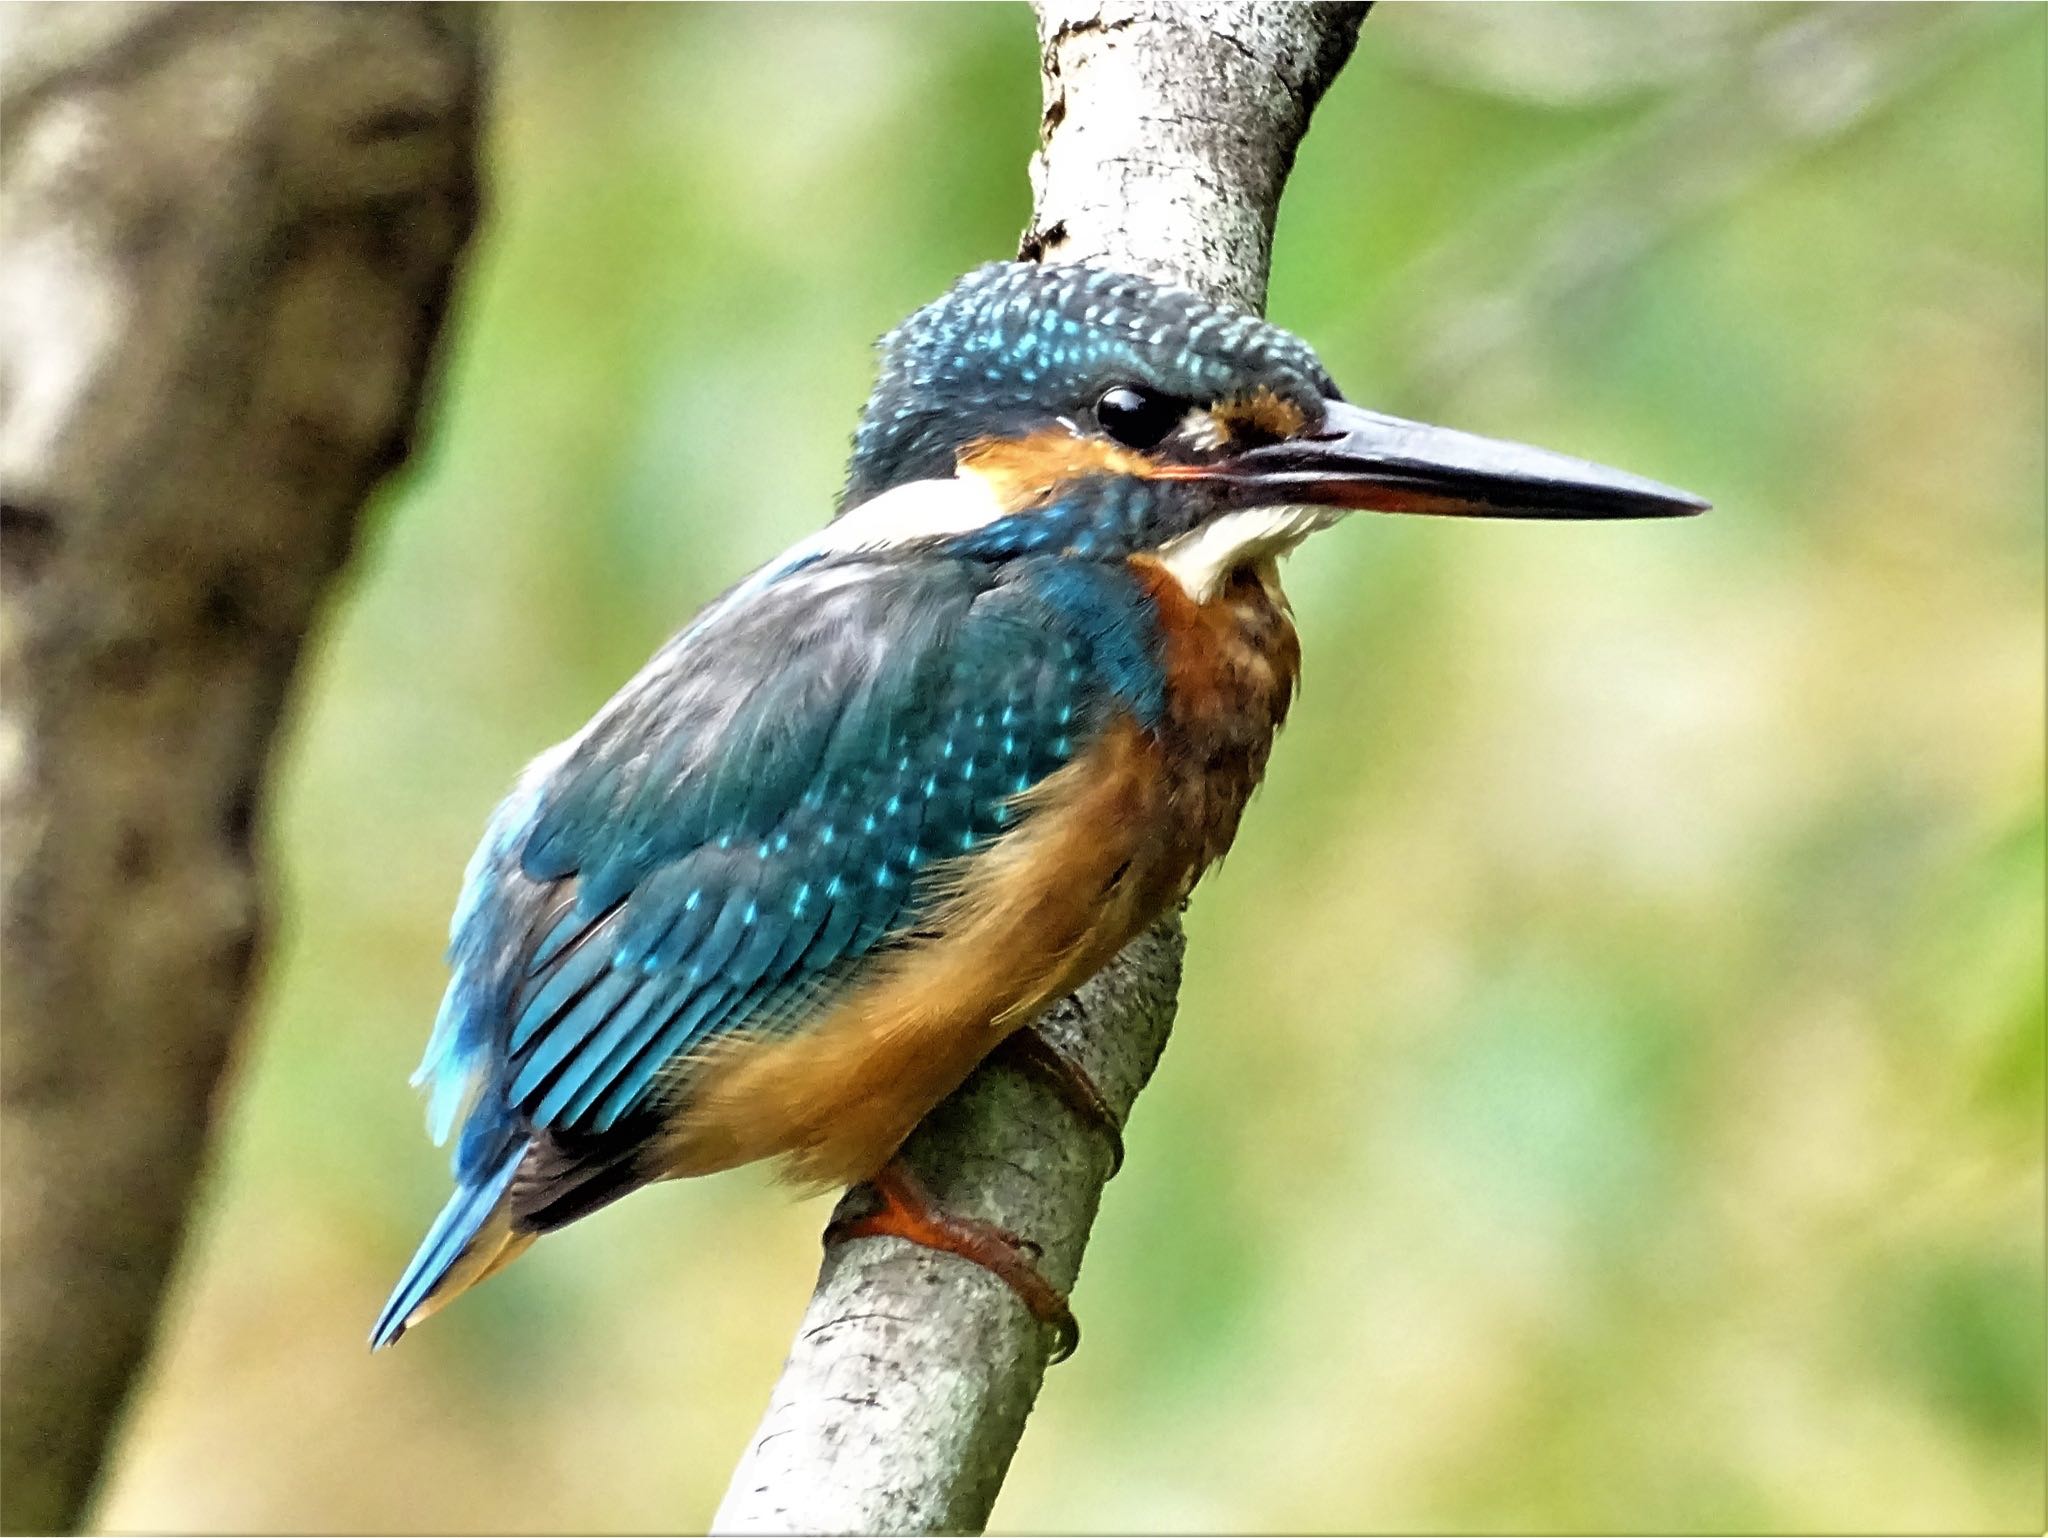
(1023, 923)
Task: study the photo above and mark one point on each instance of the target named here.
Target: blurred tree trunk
(1168, 134)
(230, 235)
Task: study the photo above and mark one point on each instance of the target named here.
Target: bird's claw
(904, 1209)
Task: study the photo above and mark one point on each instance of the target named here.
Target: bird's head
(1094, 414)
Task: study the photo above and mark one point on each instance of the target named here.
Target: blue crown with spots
(1014, 346)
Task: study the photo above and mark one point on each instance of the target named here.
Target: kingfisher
(924, 772)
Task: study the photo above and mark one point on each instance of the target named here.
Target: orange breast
(1232, 667)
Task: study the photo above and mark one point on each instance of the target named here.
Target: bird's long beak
(1361, 459)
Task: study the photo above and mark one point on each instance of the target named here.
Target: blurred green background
(1608, 1091)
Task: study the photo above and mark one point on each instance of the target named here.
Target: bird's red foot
(904, 1208)
(1037, 1055)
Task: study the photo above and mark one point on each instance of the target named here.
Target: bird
(922, 773)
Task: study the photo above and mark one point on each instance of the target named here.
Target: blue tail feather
(460, 1221)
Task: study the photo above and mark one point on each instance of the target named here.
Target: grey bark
(1168, 133)
(230, 234)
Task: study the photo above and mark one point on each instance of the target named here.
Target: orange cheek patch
(1026, 473)
(1261, 416)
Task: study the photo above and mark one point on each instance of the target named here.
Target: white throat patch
(1201, 558)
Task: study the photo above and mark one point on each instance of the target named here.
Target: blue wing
(743, 829)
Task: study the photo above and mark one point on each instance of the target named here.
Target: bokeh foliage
(1608, 1091)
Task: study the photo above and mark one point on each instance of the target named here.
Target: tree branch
(230, 237)
(1168, 134)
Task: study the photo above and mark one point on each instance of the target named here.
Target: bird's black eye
(1137, 417)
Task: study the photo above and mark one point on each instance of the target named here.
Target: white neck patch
(1200, 559)
(902, 515)
(953, 504)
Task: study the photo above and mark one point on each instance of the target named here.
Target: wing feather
(734, 839)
